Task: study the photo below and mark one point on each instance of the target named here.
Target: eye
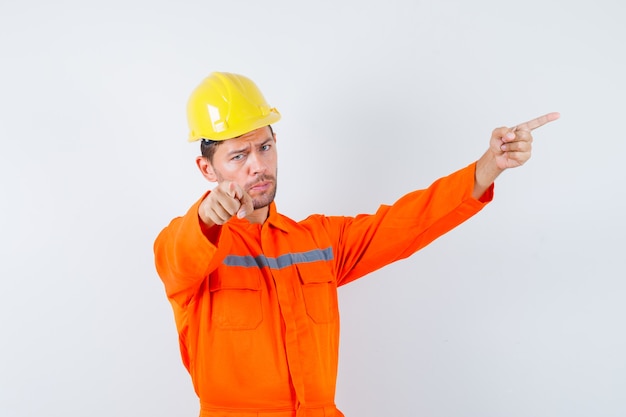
(266, 147)
(237, 157)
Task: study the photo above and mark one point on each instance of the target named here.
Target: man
(254, 293)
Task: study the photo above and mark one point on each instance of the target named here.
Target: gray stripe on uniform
(280, 262)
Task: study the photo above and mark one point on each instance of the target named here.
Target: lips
(260, 186)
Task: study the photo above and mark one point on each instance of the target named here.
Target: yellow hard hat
(225, 106)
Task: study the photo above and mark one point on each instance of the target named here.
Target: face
(249, 160)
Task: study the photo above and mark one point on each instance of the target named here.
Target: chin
(257, 204)
(264, 200)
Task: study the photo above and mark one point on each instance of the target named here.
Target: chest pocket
(236, 300)
(319, 289)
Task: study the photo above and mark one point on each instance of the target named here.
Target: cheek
(272, 160)
(218, 176)
(227, 172)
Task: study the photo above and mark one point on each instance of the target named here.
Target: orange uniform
(256, 304)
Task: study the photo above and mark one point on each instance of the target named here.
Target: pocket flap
(235, 282)
(315, 273)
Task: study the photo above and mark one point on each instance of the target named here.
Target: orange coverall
(256, 304)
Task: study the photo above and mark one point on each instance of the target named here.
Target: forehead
(257, 136)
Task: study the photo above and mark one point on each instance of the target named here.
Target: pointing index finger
(234, 191)
(538, 122)
(247, 205)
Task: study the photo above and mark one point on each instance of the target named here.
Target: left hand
(511, 146)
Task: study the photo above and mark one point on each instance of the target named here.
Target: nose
(256, 164)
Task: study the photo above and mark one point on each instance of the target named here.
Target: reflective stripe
(280, 262)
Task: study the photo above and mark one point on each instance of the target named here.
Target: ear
(206, 168)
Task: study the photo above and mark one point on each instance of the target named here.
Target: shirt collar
(275, 219)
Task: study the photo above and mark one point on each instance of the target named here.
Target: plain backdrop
(518, 312)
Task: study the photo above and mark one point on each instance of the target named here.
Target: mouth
(260, 187)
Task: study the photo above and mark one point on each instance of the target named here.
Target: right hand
(223, 202)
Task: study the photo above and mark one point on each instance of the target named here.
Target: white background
(518, 312)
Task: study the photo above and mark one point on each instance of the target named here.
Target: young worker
(254, 293)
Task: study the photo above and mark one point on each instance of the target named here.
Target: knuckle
(498, 130)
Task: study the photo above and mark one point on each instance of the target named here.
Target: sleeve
(366, 243)
(185, 256)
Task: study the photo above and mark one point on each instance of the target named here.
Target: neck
(259, 215)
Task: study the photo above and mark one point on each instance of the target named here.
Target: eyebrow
(243, 149)
(269, 139)
(236, 151)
